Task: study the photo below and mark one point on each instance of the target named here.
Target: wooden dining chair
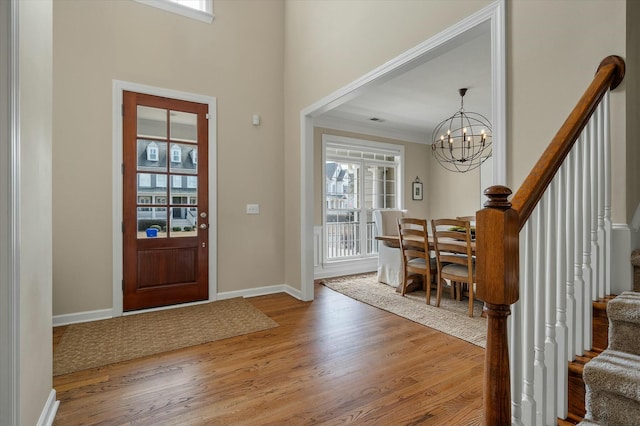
(454, 257)
(416, 258)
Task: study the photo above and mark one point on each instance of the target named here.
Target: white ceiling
(411, 104)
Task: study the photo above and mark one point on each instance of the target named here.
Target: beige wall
(453, 194)
(35, 256)
(275, 59)
(238, 59)
(552, 54)
(632, 91)
(331, 44)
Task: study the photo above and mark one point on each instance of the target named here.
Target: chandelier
(462, 142)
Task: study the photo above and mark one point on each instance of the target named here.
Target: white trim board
(48, 414)
(79, 317)
(261, 291)
(494, 14)
(9, 215)
(117, 88)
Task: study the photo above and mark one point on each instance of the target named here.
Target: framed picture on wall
(416, 190)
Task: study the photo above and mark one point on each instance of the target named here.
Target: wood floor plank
(330, 361)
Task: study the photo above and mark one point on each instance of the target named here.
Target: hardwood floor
(331, 361)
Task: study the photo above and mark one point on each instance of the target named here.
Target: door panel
(165, 226)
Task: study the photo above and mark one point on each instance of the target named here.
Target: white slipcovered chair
(389, 257)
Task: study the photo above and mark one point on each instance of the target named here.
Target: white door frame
(117, 88)
(495, 15)
(9, 217)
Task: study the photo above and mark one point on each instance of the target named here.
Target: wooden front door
(165, 217)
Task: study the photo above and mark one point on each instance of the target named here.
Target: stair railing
(554, 293)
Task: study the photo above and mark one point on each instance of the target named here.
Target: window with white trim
(192, 182)
(161, 181)
(360, 176)
(152, 152)
(176, 154)
(144, 180)
(201, 10)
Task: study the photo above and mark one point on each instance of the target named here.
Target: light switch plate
(253, 208)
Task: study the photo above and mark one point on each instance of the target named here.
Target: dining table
(394, 241)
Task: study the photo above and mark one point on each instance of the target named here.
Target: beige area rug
(98, 343)
(450, 318)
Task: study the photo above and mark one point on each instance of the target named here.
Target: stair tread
(625, 307)
(614, 372)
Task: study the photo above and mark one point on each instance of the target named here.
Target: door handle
(203, 226)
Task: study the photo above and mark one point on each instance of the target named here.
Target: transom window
(201, 10)
(360, 176)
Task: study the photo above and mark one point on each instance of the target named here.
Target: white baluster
(578, 287)
(586, 235)
(596, 250)
(540, 371)
(561, 296)
(601, 202)
(550, 344)
(514, 330)
(604, 107)
(571, 301)
(526, 300)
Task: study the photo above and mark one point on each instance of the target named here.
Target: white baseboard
(66, 319)
(101, 314)
(337, 269)
(49, 411)
(262, 291)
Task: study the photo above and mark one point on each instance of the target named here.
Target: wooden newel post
(497, 264)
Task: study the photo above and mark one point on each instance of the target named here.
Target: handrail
(609, 75)
(497, 240)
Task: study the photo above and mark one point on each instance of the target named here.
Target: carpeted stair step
(624, 322)
(612, 380)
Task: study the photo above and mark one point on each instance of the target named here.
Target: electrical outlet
(253, 208)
